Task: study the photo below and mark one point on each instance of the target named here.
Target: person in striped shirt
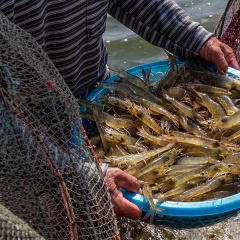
(71, 32)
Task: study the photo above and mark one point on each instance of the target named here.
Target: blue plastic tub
(180, 215)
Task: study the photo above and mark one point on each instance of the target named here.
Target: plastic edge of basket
(187, 209)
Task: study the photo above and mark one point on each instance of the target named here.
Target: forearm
(162, 23)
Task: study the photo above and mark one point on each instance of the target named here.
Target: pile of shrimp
(179, 135)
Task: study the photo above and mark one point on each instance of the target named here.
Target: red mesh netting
(228, 28)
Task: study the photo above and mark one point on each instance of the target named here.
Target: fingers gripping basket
(49, 175)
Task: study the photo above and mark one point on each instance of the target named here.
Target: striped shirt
(70, 32)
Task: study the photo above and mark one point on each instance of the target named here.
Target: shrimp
(196, 160)
(227, 122)
(147, 192)
(178, 179)
(176, 169)
(213, 107)
(206, 187)
(118, 87)
(119, 137)
(135, 169)
(144, 93)
(130, 77)
(233, 158)
(91, 104)
(146, 76)
(219, 80)
(180, 189)
(185, 138)
(235, 136)
(176, 92)
(156, 108)
(157, 140)
(216, 153)
(208, 89)
(186, 110)
(227, 104)
(191, 127)
(114, 122)
(170, 76)
(105, 144)
(132, 159)
(161, 162)
(142, 115)
(216, 169)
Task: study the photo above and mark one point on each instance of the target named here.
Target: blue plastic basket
(180, 215)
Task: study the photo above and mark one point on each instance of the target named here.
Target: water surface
(126, 49)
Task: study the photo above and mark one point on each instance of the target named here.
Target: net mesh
(228, 27)
(49, 174)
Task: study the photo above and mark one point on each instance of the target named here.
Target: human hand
(116, 178)
(218, 53)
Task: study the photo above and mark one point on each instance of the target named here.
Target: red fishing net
(228, 27)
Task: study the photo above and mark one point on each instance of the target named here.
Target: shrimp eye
(224, 119)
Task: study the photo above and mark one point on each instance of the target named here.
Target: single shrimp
(113, 101)
(227, 104)
(213, 107)
(196, 160)
(135, 148)
(170, 76)
(161, 162)
(144, 93)
(114, 122)
(178, 179)
(218, 80)
(118, 87)
(132, 159)
(216, 153)
(180, 189)
(233, 158)
(119, 137)
(176, 92)
(105, 143)
(176, 169)
(142, 115)
(130, 77)
(186, 110)
(227, 122)
(147, 193)
(206, 187)
(235, 136)
(156, 108)
(208, 89)
(185, 138)
(191, 127)
(157, 140)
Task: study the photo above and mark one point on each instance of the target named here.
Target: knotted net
(228, 27)
(49, 175)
